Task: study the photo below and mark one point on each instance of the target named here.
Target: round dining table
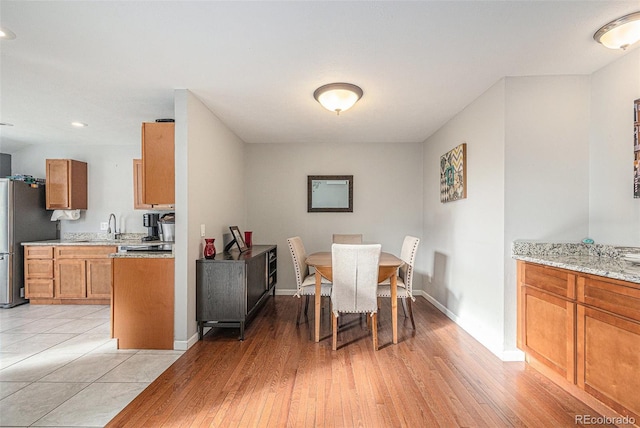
(388, 268)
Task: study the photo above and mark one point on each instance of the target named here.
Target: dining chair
(405, 277)
(347, 238)
(305, 282)
(355, 283)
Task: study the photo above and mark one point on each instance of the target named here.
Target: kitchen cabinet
(66, 184)
(68, 274)
(38, 271)
(547, 317)
(83, 272)
(584, 327)
(158, 163)
(231, 288)
(143, 302)
(608, 342)
(137, 191)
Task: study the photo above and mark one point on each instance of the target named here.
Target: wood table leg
(317, 300)
(394, 307)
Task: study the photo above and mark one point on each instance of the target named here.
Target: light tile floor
(58, 367)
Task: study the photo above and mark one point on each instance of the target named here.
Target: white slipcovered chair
(305, 282)
(339, 238)
(355, 283)
(405, 277)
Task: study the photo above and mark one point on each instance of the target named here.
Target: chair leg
(334, 323)
(404, 306)
(413, 323)
(374, 328)
(306, 307)
(298, 312)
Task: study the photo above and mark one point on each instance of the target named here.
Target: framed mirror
(330, 193)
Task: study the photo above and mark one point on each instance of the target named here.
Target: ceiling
(255, 65)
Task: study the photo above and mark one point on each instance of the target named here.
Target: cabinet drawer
(38, 268)
(610, 295)
(38, 288)
(557, 281)
(38, 252)
(83, 251)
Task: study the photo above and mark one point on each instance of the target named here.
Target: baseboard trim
(182, 345)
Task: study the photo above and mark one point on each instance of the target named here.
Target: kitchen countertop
(103, 240)
(596, 259)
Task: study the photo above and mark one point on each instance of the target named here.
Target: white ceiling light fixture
(79, 124)
(6, 34)
(621, 33)
(338, 97)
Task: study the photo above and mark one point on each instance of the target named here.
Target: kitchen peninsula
(94, 269)
(579, 318)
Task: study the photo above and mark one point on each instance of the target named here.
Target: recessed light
(79, 124)
(6, 34)
(6, 124)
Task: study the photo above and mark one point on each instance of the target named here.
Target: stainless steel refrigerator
(23, 218)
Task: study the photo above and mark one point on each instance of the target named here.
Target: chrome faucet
(115, 232)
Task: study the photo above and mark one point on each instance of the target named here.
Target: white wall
(209, 191)
(527, 175)
(387, 201)
(463, 240)
(546, 170)
(614, 215)
(109, 181)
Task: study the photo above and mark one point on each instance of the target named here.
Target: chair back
(355, 277)
(299, 255)
(347, 239)
(408, 256)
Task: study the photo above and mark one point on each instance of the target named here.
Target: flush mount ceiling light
(6, 34)
(79, 124)
(338, 97)
(621, 33)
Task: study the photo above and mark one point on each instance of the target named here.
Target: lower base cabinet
(231, 288)
(142, 310)
(588, 331)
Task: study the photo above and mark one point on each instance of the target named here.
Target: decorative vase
(209, 248)
(247, 238)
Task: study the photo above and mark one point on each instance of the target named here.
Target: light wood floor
(278, 377)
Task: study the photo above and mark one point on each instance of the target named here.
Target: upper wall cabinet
(66, 184)
(158, 163)
(137, 190)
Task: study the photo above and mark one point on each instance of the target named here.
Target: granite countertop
(105, 239)
(596, 259)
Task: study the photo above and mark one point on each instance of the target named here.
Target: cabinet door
(66, 184)
(158, 163)
(57, 189)
(70, 278)
(256, 279)
(99, 278)
(549, 330)
(220, 291)
(608, 349)
(137, 190)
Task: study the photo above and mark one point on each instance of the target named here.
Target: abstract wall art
(453, 174)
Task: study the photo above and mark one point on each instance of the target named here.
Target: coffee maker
(150, 221)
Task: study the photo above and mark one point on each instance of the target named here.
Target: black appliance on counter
(150, 221)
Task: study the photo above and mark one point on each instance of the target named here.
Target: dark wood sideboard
(232, 287)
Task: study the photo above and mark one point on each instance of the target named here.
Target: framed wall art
(453, 174)
(330, 193)
(636, 149)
